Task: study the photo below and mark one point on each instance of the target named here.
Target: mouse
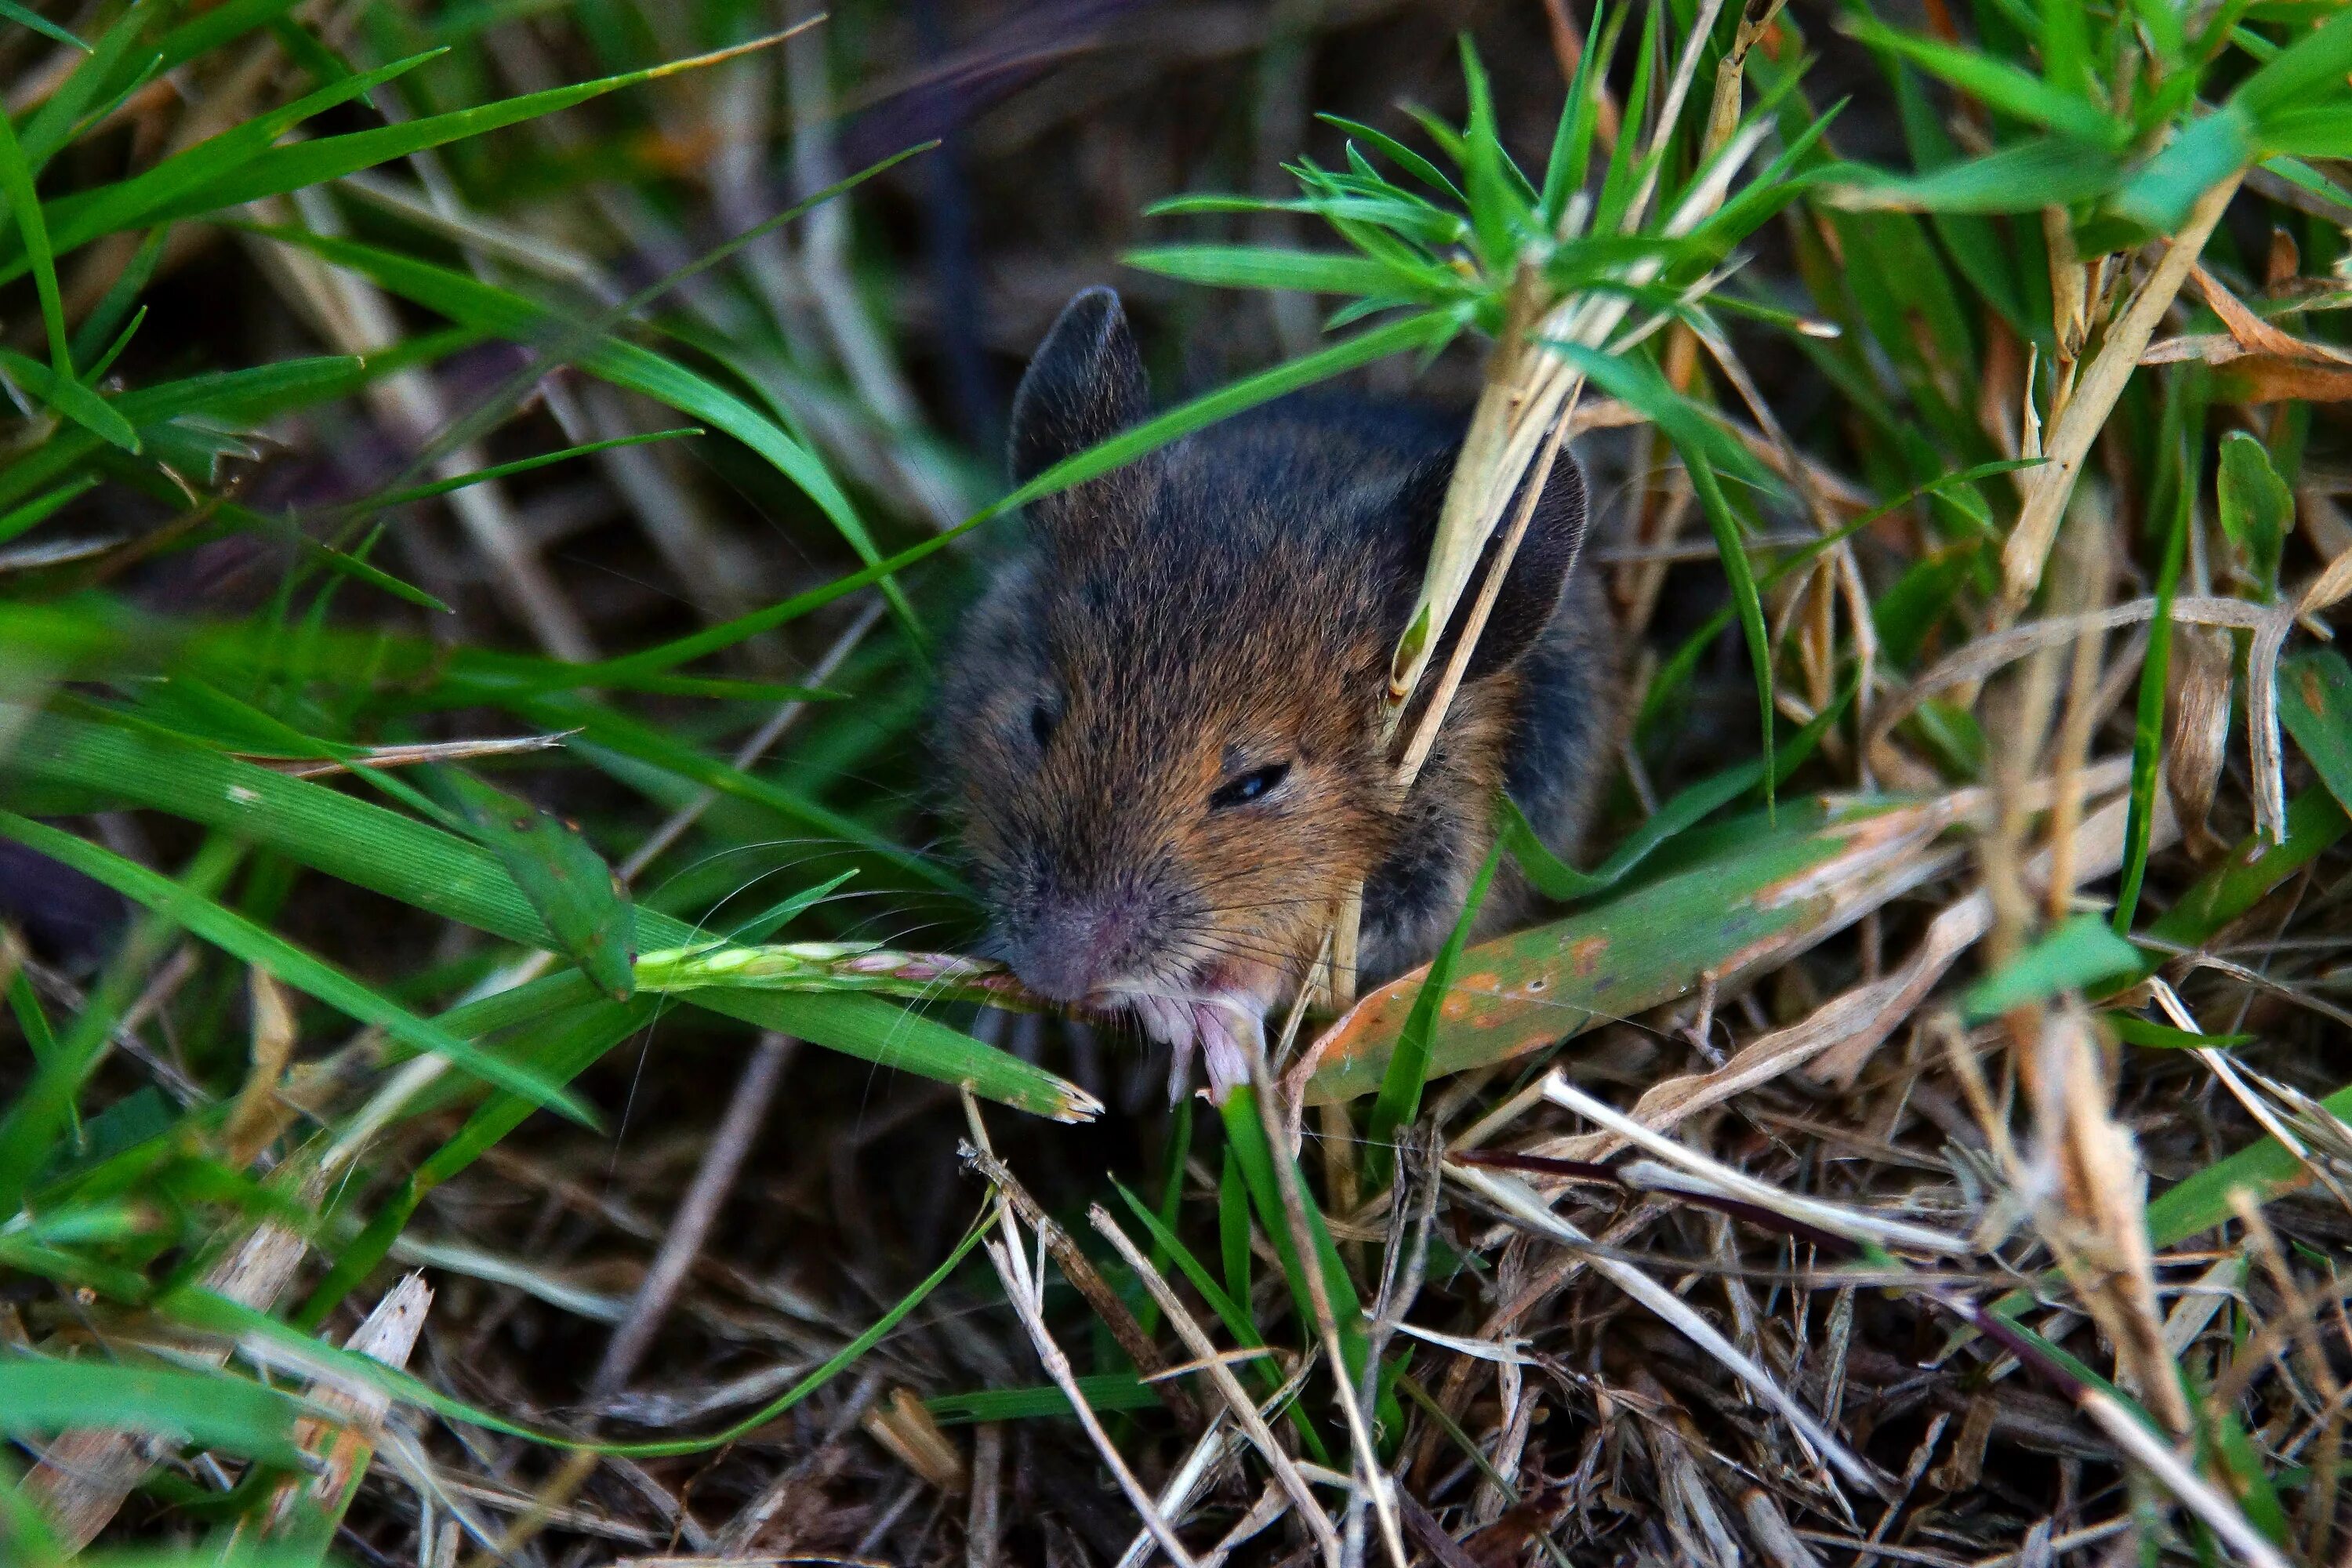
(1160, 723)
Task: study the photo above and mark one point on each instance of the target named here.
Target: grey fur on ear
(1540, 567)
(1084, 385)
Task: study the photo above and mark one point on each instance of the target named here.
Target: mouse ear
(1540, 567)
(1084, 385)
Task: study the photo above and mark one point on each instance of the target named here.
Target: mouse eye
(1042, 719)
(1243, 788)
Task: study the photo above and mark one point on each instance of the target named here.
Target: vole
(1162, 726)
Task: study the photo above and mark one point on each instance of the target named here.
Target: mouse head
(1163, 722)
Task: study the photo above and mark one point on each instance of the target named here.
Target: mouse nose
(1074, 949)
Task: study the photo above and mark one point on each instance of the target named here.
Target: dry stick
(2223, 1068)
(1237, 1398)
(2127, 1432)
(712, 1182)
(982, 1524)
(1185, 1483)
(1190, 1476)
(1079, 1269)
(1465, 642)
(1521, 1202)
(387, 1335)
(1855, 1225)
(1013, 1271)
(2048, 487)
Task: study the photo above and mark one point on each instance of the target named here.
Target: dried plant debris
(500, 1065)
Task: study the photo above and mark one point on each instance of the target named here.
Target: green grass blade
(33, 230)
(1733, 552)
(263, 949)
(2155, 679)
(41, 1396)
(304, 163)
(1998, 84)
(1229, 1311)
(1233, 1227)
(2314, 64)
(1408, 1071)
(487, 308)
(1490, 195)
(70, 399)
(201, 1309)
(1683, 810)
(1101, 1390)
(427, 869)
(55, 121)
(75, 220)
(11, 11)
(1264, 267)
(563, 1044)
(566, 882)
(508, 471)
(1397, 152)
(1245, 1136)
(33, 514)
(2020, 177)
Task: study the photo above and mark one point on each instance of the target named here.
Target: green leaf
(571, 1030)
(567, 882)
(2181, 438)
(264, 949)
(2316, 705)
(1408, 1070)
(1685, 809)
(2000, 85)
(61, 114)
(2159, 196)
(2022, 177)
(2256, 508)
(1482, 161)
(302, 163)
(2323, 131)
(1263, 267)
(2316, 63)
(1229, 1310)
(72, 399)
(2077, 954)
(41, 1396)
(1397, 152)
(1233, 1227)
(2134, 1030)
(507, 470)
(201, 1309)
